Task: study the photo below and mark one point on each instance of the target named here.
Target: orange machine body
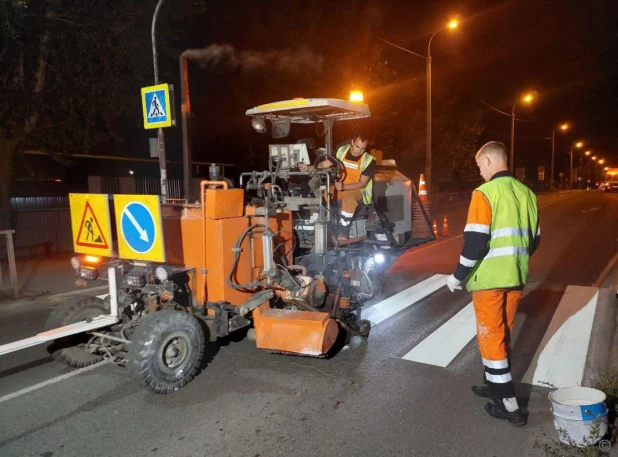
(202, 237)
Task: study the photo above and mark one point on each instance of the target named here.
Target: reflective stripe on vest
(354, 172)
(513, 227)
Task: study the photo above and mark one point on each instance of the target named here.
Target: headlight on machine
(378, 258)
(75, 263)
(135, 278)
(88, 273)
(163, 273)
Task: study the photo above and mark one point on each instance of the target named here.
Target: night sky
(565, 50)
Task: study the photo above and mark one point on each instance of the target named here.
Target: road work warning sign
(90, 222)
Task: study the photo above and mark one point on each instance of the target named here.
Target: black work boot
(499, 411)
(482, 391)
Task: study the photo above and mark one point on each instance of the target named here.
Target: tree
(70, 70)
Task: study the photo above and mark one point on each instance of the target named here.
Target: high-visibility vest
(514, 225)
(354, 170)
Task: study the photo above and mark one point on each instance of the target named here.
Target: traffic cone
(422, 189)
(445, 230)
(435, 229)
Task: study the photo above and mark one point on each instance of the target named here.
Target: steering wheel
(339, 169)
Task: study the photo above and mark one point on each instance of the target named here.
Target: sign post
(158, 113)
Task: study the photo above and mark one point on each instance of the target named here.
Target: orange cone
(445, 230)
(422, 189)
(435, 229)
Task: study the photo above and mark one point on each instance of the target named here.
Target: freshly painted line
(443, 345)
(561, 356)
(398, 302)
(40, 385)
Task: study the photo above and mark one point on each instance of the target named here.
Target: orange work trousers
(495, 311)
(348, 201)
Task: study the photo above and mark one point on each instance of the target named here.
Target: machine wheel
(71, 350)
(376, 276)
(166, 350)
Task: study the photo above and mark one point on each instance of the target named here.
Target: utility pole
(160, 137)
(428, 148)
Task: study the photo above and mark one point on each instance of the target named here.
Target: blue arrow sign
(138, 227)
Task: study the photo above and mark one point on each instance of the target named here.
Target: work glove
(453, 283)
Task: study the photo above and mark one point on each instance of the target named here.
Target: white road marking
(442, 346)
(40, 385)
(561, 356)
(398, 302)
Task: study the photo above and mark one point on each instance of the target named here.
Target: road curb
(603, 337)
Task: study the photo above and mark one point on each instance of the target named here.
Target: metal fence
(43, 224)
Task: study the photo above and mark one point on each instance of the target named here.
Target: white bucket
(580, 415)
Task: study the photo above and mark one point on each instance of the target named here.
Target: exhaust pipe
(187, 159)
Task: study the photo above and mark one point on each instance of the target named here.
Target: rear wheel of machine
(166, 350)
(71, 350)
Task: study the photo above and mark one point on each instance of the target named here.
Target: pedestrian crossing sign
(90, 222)
(156, 106)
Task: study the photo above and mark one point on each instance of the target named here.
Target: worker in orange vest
(357, 183)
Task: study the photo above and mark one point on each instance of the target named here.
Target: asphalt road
(403, 392)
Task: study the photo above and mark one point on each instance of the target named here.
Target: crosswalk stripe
(398, 302)
(561, 356)
(443, 345)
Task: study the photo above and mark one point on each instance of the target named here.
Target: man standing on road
(502, 232)
(357, 183)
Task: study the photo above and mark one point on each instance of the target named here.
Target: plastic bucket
(580, 415)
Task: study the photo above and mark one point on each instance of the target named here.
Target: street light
(578, 145)
(527, 98)
(451, 25)
(564, 127)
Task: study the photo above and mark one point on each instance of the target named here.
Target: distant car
(601, 186)
(611, 186)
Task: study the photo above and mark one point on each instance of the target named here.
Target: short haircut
(495, 149)
(360, 136)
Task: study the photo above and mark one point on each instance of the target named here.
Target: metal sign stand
(10, 249)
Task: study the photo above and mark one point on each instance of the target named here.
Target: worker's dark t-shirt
(370, 171)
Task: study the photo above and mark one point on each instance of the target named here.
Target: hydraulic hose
(237, 250)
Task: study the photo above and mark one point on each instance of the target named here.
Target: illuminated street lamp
(577, 145)
(451, 25)
(527, 98)
(564, 127)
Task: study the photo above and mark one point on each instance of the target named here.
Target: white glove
(453, 283)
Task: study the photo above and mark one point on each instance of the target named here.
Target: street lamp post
(428, 146)
(563, 127)
(526, 99)
(577, 145)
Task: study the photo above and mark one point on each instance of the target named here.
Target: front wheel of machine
(166, 350)
(71, 350)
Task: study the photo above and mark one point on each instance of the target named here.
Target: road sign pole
(160, 137)
(161, 147)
